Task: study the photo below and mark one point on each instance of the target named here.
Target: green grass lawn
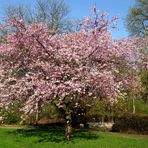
(52, 138)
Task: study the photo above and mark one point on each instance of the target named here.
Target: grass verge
(43, 137)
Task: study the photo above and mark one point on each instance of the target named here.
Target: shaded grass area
(45, 137)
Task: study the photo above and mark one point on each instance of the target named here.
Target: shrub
(131, 124)
(11, 114)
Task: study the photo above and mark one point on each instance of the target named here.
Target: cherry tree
(40, 67)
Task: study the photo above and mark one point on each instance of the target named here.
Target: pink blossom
(37, 66)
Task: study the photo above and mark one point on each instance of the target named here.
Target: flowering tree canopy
(39, 66)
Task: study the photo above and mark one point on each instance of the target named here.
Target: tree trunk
(134, 108)
(68, 125)
(102, 119)
(37, 114)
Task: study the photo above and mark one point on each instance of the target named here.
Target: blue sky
(81, 8)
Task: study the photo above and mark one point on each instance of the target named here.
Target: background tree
(19, 11)
(144, 80)
(137, 18)
(53, 12)
(137, 24)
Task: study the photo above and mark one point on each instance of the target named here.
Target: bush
(131, 124)
(11, 114)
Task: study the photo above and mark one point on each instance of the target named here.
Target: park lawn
(53, 138)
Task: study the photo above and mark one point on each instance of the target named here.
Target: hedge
(131, 123)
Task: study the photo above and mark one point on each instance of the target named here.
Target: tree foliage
(137, 19)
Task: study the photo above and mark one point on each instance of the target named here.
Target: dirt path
(14, 126)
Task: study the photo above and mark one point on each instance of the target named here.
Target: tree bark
(134, 108)
(68, 125)
(37, 114)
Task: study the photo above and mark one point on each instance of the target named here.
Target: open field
(53, 138)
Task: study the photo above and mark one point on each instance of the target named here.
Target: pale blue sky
(81, 8)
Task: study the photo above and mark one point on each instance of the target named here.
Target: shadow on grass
(52, 134)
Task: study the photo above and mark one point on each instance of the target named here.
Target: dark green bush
(131, 123)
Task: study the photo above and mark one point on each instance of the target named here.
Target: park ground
(43, 137)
